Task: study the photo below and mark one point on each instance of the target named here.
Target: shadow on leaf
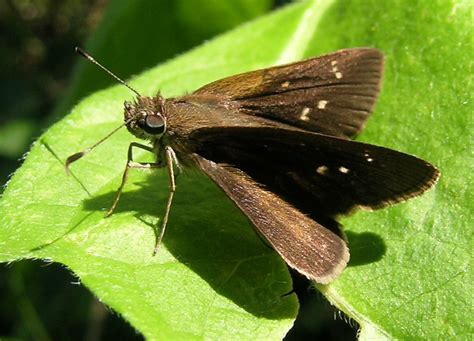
(209, 235)
(365, 248)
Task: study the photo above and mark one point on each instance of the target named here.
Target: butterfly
(278, 142)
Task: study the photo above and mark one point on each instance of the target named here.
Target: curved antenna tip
(73, 158)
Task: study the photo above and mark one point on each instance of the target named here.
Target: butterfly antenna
(77, 156)
(93, 61)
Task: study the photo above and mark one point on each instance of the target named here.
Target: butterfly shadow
(365, 248)
(210, 236)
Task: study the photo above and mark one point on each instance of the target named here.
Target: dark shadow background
(41, 301)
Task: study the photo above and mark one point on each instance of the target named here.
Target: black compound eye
(154, 124)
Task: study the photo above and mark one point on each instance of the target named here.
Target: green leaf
(420, 288)
(213, 277)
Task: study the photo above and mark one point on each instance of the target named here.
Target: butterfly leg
(132, 164)
(171, 160)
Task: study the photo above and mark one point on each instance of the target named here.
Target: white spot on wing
(322, 170)
(304, 114)
(322, 104)
(285, 84)
(343, 170)
(335, 69)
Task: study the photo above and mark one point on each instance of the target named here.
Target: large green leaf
(421, 287)
(213, 277)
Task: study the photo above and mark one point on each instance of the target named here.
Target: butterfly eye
(154, 124)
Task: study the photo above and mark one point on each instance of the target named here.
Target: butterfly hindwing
(303, 243)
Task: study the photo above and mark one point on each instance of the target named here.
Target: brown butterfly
(277, 141)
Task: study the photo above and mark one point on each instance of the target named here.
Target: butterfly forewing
(332, 94)
(321, 175)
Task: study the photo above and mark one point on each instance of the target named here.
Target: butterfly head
(144, 117)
